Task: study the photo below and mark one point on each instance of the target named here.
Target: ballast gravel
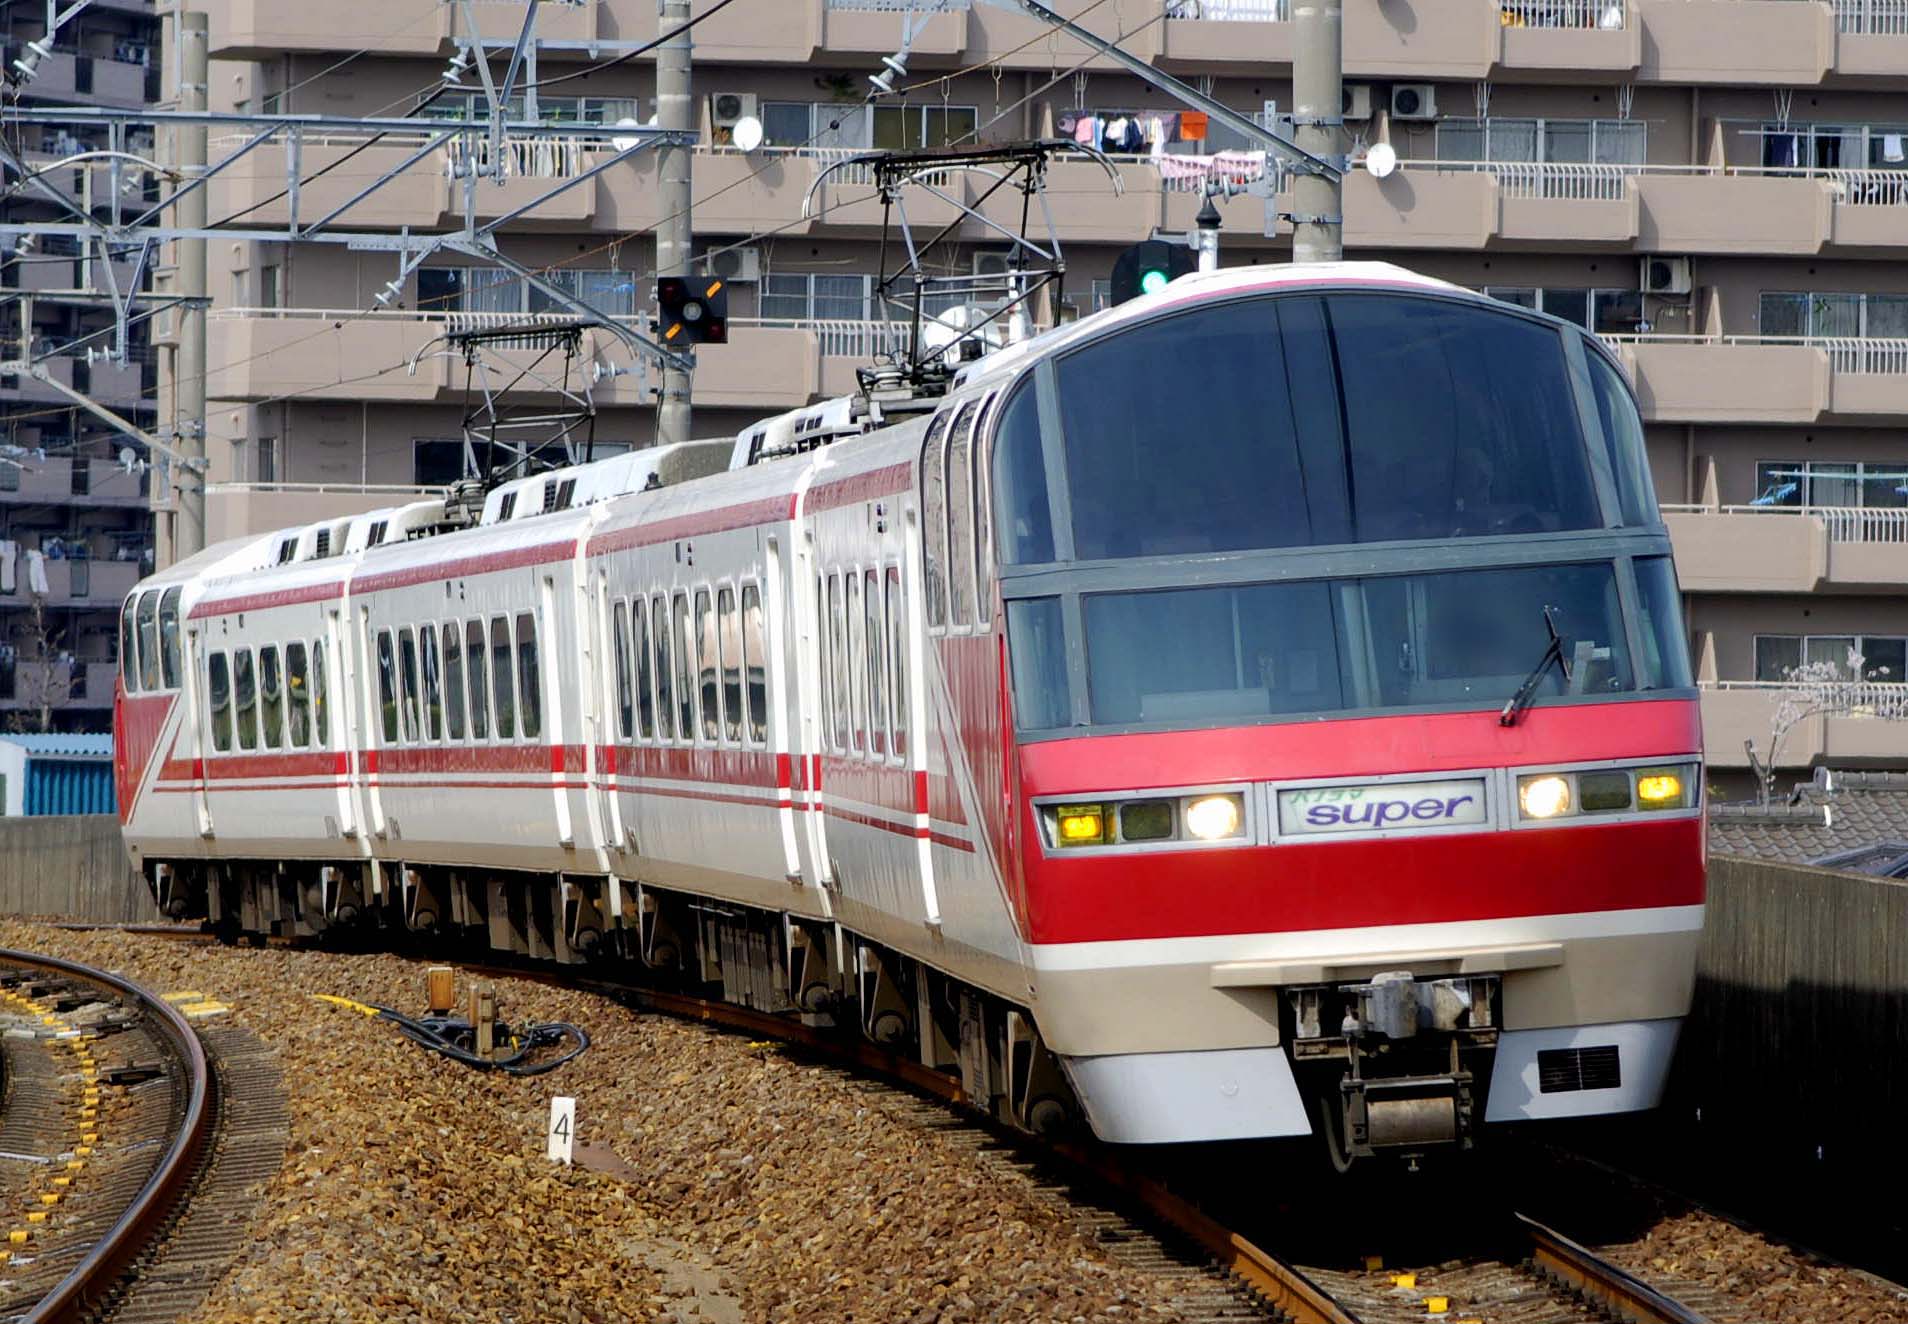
(724, 1183)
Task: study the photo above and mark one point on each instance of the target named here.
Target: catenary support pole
(675, 109)
(1318, 82)
(189, 365)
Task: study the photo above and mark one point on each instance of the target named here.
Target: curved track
(110, 1106)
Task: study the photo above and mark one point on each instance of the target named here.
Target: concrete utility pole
(1318, 92)
(188, 360)
(675, 109)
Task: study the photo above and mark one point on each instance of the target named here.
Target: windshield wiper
(1553, 653)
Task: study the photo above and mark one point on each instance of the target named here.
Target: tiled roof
(1835, 812)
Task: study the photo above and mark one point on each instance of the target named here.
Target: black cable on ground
(456, 1039)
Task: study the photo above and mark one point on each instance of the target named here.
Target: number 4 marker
(562, 1132)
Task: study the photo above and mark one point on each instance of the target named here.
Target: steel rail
(1623, 1295)
(107, 1261)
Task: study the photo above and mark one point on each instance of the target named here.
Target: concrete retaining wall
(1799, 1033)
(73, 867)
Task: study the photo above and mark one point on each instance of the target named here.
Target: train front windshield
(1214, 512)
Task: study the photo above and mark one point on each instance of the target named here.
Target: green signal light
(1152, 282)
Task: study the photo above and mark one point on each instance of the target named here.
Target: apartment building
(1720, 187)
(75, 527)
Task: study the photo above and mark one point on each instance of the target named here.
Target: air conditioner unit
(1414, 101)
(738, 266)
(1663, 275)
(725, 108)
(993, 262)
(1357, 101)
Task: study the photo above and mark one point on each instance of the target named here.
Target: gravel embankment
(735, 1184)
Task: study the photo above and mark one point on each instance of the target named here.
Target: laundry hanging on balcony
(1191, 174)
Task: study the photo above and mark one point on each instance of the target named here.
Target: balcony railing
(1849, 354)
(1872, 18)
(1864, 524)
(897, 6)
(1608, 15)
(1579, 181)
(840, 337)
(1232, 11)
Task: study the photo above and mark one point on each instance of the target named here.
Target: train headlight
(1146, 820)
(1215, 817)
(1080, 825)
(1661, 788)
(1547, 796)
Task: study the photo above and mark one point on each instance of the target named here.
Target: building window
(1833, 146)
(1881, 657)
(1831, 483)
(265, 463)
(1606, 312)
(1828, 316)
(1501, 140)
(488, 290)
(270, 291)
(803, 297)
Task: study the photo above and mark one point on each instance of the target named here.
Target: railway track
(131, 1149)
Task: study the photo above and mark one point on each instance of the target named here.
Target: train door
(367, 707)
(191, 742)
(336, 718)
(806, 601)
(610, 720)
(765, 628)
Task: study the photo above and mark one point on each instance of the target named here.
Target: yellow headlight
(1214, 817)
(1659, 790)
(1080, 825)
(1544, 797)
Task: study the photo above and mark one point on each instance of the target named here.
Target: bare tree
(1825, 689)
(42, 674)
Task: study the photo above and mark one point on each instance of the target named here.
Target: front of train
(1358, 786)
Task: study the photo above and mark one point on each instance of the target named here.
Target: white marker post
(562, 1132)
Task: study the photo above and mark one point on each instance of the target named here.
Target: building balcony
(87, 79)
(1767, 379)
(1789, 549)
(1845, 733)
(238, 510)
(69, 583)
(59, 481)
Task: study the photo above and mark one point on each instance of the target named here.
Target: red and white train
(1257, 710)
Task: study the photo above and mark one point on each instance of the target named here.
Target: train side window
(665, 664)
(320, 697)
(454, 681)
(297, 697)
(169, 639)
(218, 698)
(857, 647)
(982, 521)
(529, 677)
(875, 649)
(934, 517)
(433, 682)
(754, 663)
(407, 676)
(708, 666)
(129, 644)
(685, 671)
(960, 519)
(730, 636)
(503, 702)
(387, 687)
(1023, 518)
(625, 701)
(148, 641)
(645, 670)
(245, 698)
(898, 660)
(824, 684)
(474, 674)
(838, 666)
(271, 699)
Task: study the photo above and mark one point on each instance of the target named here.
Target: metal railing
(1872, 18)
(1231, 11)
(1608, 15)
(839, 337)
(898, 6)
(1861, 524)
(1869, 356)
(1563, 180)
(332, 489)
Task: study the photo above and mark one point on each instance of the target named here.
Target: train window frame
(407, 684)
(625, 694)
(452, 634)
(320, 698)
(271, 710)
(218, 679)
(729, 649)
(244, 679)
(708, 657)
(477, 677)
(933, 467)
(981, 486)
(129, 644)
(754, 655)
(645, 674)
(659, 634)
(857, 668)
(503, 679)
(297, 695)
(682, 632)
(900, 637)
(875, 658)
(839, 704)
(529, 664)
(169, 662)
(149, 641)
(433, 677)
(386, 667)
(962, 614)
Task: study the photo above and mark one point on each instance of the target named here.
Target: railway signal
(1147, 266)
(692, 313)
